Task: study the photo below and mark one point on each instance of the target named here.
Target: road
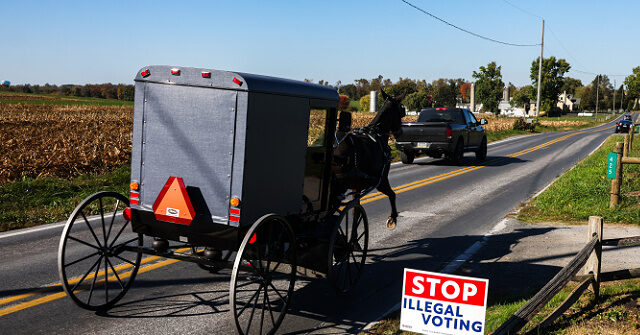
(444, 210)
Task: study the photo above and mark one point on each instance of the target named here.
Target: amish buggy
(227, 173)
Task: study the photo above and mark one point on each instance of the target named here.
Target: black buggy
(228, 170)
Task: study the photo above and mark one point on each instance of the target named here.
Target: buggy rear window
(448, 115)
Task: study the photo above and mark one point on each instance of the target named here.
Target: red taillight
(145, 73)
(206, 74)
(175, 72)
(253, 238)
(449, 133)
(441, 109)
(127, 214)
(237, 81)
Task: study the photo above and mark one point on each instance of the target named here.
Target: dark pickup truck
(443, 131)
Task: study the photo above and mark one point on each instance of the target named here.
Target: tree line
(102, 91)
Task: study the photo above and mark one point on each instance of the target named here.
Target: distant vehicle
(443, 131)
(5, 82)
(623, 126)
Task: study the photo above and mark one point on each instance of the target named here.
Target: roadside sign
(612, 161)
(443, 304)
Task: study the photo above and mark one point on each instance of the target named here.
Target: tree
(349, 89)
(444, 92)
(570, 85)
(553, 71)
(521, 97)
(632, 83)
(417, 101)
(405, 85)
(344, 102)
(465, 91)
(365, 102)
(489, 86)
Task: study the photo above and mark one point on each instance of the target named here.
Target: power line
(524, 10)
(467, 31)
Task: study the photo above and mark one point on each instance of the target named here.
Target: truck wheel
(458, 152)
(407, 157)
(481, 153)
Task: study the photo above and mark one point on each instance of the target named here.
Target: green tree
(489, 86)
(521, 97)
(570, 85)
(417, 101)
(553, 71)
(632, 83)
(444, 92)
(365, 102)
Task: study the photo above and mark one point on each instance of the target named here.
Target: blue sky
(108, 41)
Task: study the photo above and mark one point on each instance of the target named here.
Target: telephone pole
(597, 95)
(614, 97)
(540, 71)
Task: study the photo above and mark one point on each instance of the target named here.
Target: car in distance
(623, 126)
(443, 131)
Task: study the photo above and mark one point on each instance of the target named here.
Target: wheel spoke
(104, 232)
(81, 259)
(106, 280)
(278, 293)
(93, 283)
(248, 302)
(127, 242)
(86, 274)
(264, 299)
(95, 237)
(83, 242)
(113, 218)
(124, 259)
(118, 235)
(357, 264)
(115, 273)
(273, 321)
(249, 283)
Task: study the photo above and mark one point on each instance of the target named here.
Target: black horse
(362, 157)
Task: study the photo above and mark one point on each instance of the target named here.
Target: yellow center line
(367, 199)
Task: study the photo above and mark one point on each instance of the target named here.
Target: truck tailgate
(423, 132)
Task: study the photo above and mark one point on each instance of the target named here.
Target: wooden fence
(622, 150)
(590, 257)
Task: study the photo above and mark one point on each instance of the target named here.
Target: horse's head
(389, 118)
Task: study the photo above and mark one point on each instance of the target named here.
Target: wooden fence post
(625, 147)
(594, 262)
(615, 183)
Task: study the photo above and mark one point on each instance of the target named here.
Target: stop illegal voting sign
(443, 304)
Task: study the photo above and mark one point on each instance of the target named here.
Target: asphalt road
(444, 210)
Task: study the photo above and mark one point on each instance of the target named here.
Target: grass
(584, 191)
(30, 202)
(53, 99)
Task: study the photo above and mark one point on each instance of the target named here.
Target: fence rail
(589, 258)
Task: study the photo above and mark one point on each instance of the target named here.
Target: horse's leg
(386, 189)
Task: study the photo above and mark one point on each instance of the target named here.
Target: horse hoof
(391, 223)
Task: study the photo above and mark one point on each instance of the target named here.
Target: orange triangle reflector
(173, 203)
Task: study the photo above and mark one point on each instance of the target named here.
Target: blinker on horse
(362, 157)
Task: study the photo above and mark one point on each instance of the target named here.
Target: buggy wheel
(348, 249)
(263, 276)
(94, 268)
(200, 251)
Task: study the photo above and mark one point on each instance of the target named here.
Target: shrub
(522, 124)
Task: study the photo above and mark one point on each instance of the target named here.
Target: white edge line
(45, 227)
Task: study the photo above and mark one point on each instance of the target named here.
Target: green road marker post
(612, 161)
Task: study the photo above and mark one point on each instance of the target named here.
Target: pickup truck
(443, 131)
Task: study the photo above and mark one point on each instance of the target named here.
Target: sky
(79, 42)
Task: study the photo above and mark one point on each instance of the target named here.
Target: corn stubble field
(62, 141)
(67, 141)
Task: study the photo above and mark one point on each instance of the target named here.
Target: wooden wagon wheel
(263, 276)
(94, 269)
(348, 248)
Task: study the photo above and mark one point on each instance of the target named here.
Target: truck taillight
(449, 133)
(441, 109)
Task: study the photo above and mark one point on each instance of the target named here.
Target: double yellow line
(59, 293)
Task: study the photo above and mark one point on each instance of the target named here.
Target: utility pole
(621, 96)
(614, 97)
(540, 71)
(597, 95)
